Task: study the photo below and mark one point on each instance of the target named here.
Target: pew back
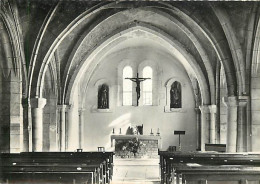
(55, 167)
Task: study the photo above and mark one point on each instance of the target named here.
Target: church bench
(181, 167)
(96, 167)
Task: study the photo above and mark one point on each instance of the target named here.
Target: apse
(137, 49)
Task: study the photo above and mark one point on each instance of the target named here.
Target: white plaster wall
(98, 126)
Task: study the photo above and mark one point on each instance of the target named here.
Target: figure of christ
(137, 80)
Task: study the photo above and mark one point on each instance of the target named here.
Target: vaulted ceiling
(59, 39)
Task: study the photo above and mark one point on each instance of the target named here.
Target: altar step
(133, 171)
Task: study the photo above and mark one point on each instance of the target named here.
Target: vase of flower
(134, 146)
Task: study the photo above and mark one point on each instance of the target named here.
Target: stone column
(62, 126)
(231, 103)
(212, 127)
(37, 105)
(204, 126)
(81, 127)
(73, 128)
(242, 124)
(197, 110)
(25, 125)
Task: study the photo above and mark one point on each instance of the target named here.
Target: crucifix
(137, 80)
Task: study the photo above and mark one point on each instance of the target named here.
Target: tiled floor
(136, 171)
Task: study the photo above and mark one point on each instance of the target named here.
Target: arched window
(175, 97)
(148, 86)
(103, 97)
(127, 85)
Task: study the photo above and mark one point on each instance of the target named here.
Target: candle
(158, 132)
(120, 131)
(113, 130)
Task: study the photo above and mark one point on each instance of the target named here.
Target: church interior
(91, 88)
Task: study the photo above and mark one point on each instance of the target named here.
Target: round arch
(178, 12)
(255, 89)
(173, 45)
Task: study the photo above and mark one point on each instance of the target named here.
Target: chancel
(92, 92)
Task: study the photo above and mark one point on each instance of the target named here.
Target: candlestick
(151, 132)
(158, 132)
(113, 131)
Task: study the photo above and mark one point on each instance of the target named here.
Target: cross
(137, 80)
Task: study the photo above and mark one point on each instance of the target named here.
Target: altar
(149, 145)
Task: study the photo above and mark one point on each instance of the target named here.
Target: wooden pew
(185, 167)
(71, 167)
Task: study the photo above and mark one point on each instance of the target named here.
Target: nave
(78, 75)
(104, 168)
(134, 171)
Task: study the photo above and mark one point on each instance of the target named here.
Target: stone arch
(203, 54)
(235, 48)
(15, 82)
(37, 82)
(174, 45)
(223, 57)
(65, 32)
(13, 26)
(255, 90)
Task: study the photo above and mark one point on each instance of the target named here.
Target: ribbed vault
(204, 47)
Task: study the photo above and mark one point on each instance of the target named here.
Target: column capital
(204, 108)
(231, 101)
(38, 102)
(212, 108)
(61, 107)
(64, 107)
(242, 100)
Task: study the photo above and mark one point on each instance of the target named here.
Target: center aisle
(133, 171)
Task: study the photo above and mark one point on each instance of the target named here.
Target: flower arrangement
(134, 145)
